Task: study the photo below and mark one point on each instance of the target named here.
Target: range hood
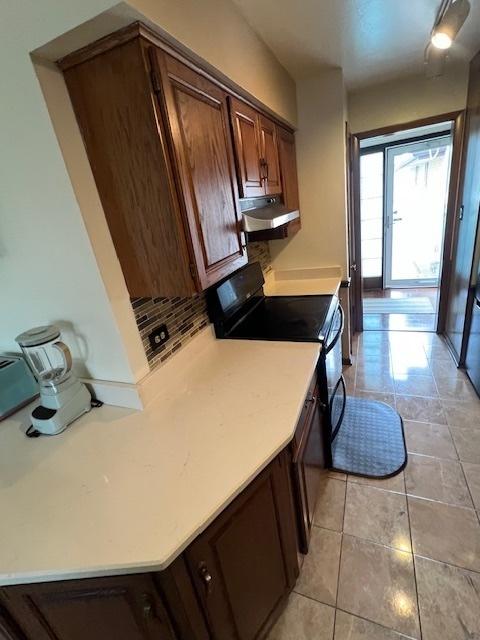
(263, 214)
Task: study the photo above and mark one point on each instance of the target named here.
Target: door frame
(353, 231)
(458, 127)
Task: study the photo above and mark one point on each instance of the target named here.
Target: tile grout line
(414, 566)
(340, 558)
(468, 485)
(378, 624)
(304, 595)
(427, 455)
(371, 486)
(464, 475)
(435, 501)
(369, 540)
(447, 564)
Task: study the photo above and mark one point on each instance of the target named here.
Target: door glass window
(371, 212)
(417, 192)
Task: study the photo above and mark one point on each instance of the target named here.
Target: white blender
(63, 397)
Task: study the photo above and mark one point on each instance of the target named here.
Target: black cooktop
(239, 309)
(291, 318)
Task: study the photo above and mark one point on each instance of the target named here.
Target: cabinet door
(123, 608)
(269, 156)
(245, 564)
(198, 119)
(8, 630)
(112, 98)
(288, 167)
(247, 148)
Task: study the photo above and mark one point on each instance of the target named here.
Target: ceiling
(372, 40)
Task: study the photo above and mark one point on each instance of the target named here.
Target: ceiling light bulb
(441, 40)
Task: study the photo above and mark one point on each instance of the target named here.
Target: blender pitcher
(48, 357)
(63, 397)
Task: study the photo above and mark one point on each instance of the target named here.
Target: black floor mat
(370, 441)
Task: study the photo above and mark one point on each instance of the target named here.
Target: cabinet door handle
(147, 608)
(206, 577)
(263, 170)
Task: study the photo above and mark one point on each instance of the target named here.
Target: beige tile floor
(400, 558)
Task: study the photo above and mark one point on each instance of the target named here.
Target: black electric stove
(290, 318)
(239, 309)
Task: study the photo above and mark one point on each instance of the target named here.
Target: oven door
(311, 450)
(337, 395)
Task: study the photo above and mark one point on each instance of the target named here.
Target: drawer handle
(206, 577)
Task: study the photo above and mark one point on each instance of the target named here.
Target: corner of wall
(69, 138)
(320, 142)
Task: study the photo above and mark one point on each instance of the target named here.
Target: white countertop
(303, 282)
(124, 491)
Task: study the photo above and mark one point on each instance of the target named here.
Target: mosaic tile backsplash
(184, 317)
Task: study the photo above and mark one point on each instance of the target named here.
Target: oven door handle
(341, 381)
(313, 400)
(339, 333)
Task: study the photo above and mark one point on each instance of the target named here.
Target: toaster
(17, 385)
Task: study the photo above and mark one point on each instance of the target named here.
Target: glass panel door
(417, 177)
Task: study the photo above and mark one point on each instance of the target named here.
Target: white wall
(320, 141)
(407, 99)
(48, 269)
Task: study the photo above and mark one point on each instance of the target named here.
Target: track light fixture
(449, 23)
(450, 18)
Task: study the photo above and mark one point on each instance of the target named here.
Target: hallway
(400, 558)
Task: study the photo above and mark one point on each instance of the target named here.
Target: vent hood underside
(268, 213)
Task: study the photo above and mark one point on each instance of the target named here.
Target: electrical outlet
(158, 336)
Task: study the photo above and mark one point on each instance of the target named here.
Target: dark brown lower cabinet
(118, 608)
(245, 564)
(8, 629)
(230, 583)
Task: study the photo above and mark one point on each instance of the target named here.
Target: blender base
(69, 405)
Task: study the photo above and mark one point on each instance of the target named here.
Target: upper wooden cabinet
(158, 141)
(197, 114)
(256, 151)
(158, 128)
(269, 155)
(247, 147)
